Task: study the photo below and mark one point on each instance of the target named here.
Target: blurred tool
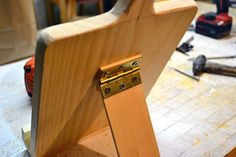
(216, 58)
(201, 65)
(186, 46)
(29, 76)
(216, 25)
(191, 27)
(188, 74)
(232, 3)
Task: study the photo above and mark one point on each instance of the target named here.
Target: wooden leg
(126, 109)
(130, 123)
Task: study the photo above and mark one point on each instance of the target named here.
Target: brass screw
(122, 86)
(107, 74)
(135, 79)
(107, 90)
(121, 67)
(135, 63)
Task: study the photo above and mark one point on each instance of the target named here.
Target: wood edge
(51, 34)
(26, 133)
(149, 118)
(38, 75)
(94, 134)
(232, 153)
(116, 15)
(121, 62)
(112, 133)
(164, 7)
(108, 139)
(120, 7)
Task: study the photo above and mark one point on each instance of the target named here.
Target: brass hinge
(120, 78)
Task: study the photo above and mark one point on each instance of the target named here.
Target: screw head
(122, 86)
(135, 63)
(107, 90)
(121, 67)
(107, 74)
(135, 79)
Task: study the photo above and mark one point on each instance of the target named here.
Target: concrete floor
(195, 119)
(190, 119)
(15, 109)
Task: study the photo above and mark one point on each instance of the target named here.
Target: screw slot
(135, 63)
(107, 74)
(135, 79)
(107, 90)
(121, 67)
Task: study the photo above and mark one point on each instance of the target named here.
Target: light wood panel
(98, 144)
(130, 124)
(67, 104)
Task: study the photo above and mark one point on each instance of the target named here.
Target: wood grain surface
(130, 123)
(67, 104)
(97, 144)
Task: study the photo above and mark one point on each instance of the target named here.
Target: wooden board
(130, 123)
(67, 104)
(98, 144)
(232, 153)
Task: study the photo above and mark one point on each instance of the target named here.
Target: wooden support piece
(126, 109)
(130, 123)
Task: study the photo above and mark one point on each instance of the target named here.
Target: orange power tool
(29, 76)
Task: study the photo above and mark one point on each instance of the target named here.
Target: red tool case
(29, 76)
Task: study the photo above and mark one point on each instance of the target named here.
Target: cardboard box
(17, 30)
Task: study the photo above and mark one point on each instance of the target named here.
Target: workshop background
(192, 115)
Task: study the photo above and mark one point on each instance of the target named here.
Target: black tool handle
(221, 69)
(189, 40)
(222, 6)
